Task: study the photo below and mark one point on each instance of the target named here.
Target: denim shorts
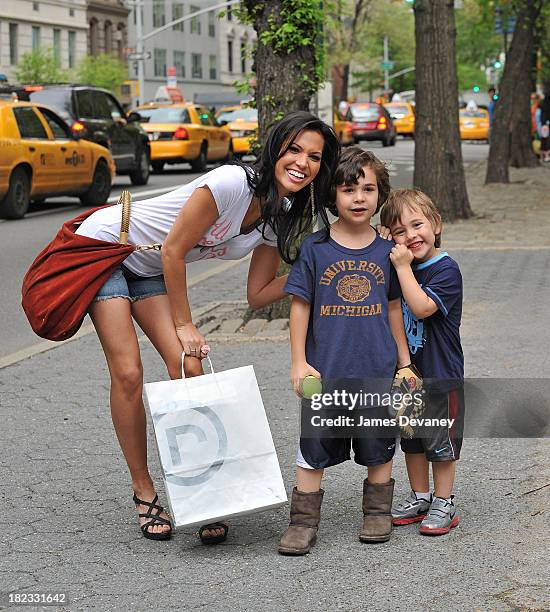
(126, 284)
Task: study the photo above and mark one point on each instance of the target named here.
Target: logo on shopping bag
(175, 434)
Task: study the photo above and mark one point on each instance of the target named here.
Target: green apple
(310, 386)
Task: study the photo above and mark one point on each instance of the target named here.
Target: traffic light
(475, 88)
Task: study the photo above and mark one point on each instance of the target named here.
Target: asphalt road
(21, 240)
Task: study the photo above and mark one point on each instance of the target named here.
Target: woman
(227, 213)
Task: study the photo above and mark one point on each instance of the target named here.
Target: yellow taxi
(402, 115)
(474, 124)
(242, 122)
(183, 132)
(343, 129)
(40, 157)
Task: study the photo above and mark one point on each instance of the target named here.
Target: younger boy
(431, 284)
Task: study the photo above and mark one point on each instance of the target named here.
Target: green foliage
(477, 44)
(102, 70)
(298, 26)
(40, 66)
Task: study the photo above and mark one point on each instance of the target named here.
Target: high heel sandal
(156, 519)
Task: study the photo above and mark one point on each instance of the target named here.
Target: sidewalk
(70, 525)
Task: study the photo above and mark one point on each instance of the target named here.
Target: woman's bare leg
(113, 322)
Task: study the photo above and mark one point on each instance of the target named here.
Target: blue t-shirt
(434, 342)
(348, 334)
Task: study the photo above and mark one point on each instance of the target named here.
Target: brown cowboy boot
(377, 522)
(305, 513)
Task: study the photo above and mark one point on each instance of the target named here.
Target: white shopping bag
(215, 446)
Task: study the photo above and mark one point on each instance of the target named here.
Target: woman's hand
(383, 231)
(298, 372)
(192, 341)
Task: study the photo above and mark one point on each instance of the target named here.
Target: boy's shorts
(319, 453)
(442, 444)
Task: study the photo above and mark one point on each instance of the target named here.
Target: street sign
(387, 65)
(139, 57)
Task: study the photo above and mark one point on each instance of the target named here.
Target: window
(159, 56)
(196, 65)
(164, 115)
(212, 63)
(35, 6)
(179, 63)
(177, 12)
(28, 123)
(115, 110)
(243, 57)
(35, 38)
(57, 126)
(71, 12)
(102, 109)
(84, 103)
(230, 55)
(159, 17)
(72, 48)
(108, 31)
(211, 24)
(195, 21)
(13, 44)
(228, 13)
(57, 45)
(94, 37)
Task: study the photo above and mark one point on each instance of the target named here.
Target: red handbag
(63, 280)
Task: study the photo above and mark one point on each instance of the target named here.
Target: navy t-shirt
(434, 342)
(348, 333)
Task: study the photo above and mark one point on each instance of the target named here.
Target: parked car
(474, 124)
(402, 115)
(242, 122)
(183, 132)
(96, 115)
(343, 129)
(371, 121)
(41, 157)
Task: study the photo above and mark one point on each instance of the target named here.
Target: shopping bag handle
(183, 358)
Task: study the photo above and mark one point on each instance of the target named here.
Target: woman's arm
(299, 321)
(264, 286)
(395, 318)
(195, 218)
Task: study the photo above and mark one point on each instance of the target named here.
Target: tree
(102, 70)
(289, 57)
(40, 66)
(511, 128)
(438, 167)
(345, 26)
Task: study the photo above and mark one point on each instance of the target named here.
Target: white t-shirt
(152, 219)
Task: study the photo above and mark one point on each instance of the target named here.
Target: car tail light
(382, 123)
(181, 134)
(78, 128)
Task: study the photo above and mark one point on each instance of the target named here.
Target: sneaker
(412, 510)
(441, 518)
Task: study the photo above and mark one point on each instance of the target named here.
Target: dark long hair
(289, 225)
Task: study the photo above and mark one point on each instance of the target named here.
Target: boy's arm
(395, 318)
(299, 321)
(417, 300)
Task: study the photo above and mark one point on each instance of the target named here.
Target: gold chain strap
(126, 201)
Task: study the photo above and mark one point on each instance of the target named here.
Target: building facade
(27, 25)
(107, 27)
(207, 52)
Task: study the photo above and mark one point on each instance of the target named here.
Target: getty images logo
(207, 429)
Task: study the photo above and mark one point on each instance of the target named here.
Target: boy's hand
(383, 231)
(401, 256)
(298, 372)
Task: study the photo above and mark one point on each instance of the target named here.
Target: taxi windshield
(471, 113)
(164, 115)
(242, 114)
